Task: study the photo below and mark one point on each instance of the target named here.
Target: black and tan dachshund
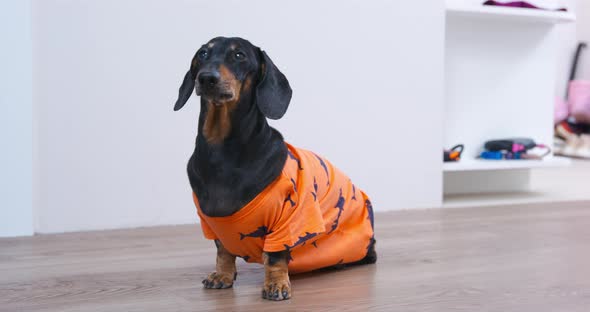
(238, 156)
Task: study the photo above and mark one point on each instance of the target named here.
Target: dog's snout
(208, 79)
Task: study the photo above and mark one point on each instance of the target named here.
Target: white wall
(367, 80)
(15, 119)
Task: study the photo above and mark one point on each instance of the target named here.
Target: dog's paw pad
(277, 290)
(219, 280)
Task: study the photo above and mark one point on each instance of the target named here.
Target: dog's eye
(203, 54)
(239, 55)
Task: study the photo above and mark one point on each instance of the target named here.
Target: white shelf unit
(508, 14)
(500, 67)
(496, 199)
(483, 164)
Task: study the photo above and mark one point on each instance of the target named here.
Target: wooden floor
(523, 258)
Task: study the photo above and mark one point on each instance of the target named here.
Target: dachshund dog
(258, 197)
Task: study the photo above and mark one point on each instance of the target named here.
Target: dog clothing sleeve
(207, 231)
(300, 219)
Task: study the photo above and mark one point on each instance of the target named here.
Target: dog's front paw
(219, 280)
(277, 289)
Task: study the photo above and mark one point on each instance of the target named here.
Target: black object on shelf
(576, 61)
(512, 144)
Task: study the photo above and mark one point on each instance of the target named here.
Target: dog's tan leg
(276, 281)
(225, 273)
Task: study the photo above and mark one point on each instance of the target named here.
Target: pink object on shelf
(519, 4)
(516, 148)
(579, 100)
(560, 110)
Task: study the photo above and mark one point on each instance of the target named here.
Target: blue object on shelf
(500, 155)
(491, 155)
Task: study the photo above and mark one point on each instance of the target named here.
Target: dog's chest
(222, 189)
(225, 182)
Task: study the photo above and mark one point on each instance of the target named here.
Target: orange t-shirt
(312, 210)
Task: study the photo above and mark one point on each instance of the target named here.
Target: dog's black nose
(208, 79)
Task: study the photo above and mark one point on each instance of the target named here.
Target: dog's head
(226, 69)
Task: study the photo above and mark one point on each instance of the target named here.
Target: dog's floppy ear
(273, 92)
(186, 89)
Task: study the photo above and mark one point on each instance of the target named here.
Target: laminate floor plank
(506, 258)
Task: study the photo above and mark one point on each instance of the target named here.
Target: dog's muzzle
(209, 85)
